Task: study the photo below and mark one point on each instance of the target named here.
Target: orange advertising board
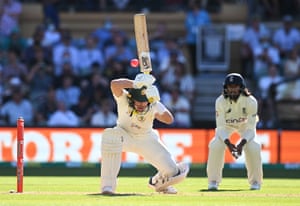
(84, 145)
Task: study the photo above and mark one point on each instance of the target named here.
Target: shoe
(255, 186)
(107, 190)
(213, 186)
(168, 190)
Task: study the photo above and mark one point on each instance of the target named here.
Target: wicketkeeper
(138, 104)
(236, 111)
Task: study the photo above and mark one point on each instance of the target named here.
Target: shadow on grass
(224, 190)
(116, 194)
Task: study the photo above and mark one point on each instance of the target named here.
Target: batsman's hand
(232, 148)
(240, 146)
(152, 94)
(143, 80)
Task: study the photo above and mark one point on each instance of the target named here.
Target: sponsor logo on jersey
(236, 120)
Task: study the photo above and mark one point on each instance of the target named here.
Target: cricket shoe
(167, 190)
(160, 182)
(213, 186)
(107, 190)
(255, 186)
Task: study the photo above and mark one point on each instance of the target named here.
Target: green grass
(64, 191)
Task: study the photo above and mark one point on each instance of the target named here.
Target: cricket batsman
(138, 104)
(236, 111)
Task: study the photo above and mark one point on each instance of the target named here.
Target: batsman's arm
(118, 85)
(163, 114)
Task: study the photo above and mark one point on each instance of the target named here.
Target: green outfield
(64, 191)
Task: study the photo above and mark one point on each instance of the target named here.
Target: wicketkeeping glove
(232, 148)
(240, 146)
(152, 94)
(143, 80)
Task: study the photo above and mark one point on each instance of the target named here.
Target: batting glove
(143, 80)
(152, 94)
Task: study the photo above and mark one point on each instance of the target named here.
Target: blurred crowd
(54, 79)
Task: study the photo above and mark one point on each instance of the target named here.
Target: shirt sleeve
(222, 131)
(250, 128)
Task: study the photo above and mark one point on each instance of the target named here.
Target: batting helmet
(137, 94)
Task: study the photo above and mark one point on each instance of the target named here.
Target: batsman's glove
(240, 146)
(143, 80)
(232, 148)
(152, 94)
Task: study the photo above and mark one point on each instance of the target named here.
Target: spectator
(264, 55)
(13, 9)
(104, 34)
(68, 93)
(63, 117)
(105, 116)
(7, 24)
(119, 50)
(287, 37)
(40, 76)
(36, 42)
(185, 81)
(14, 66)
(167, 74)
(83, 110)
(89, 86)
(165, 54)
(89, 56)
(290, 88)
(115, 69)
(250, 41)
(16, 41)
(52, 36)
(17, 106)
(265, 101)
(45, 107)
(1, 86)
(196, 16)
(65, 52)
(180, 106)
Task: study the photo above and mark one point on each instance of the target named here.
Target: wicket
(20, 148)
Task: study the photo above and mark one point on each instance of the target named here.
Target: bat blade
(142, 43)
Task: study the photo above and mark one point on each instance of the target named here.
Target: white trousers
(149, 146)
(216, 155)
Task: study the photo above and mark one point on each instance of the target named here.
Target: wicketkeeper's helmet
(233, 79)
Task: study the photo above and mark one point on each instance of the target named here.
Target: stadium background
(280, 146)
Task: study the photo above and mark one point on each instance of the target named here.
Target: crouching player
(138, 104)
(236, 111)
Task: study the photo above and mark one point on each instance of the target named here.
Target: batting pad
(111, 158)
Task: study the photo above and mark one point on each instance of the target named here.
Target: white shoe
(255, 186)
(168, 190)
(213, 185)
(107, 190)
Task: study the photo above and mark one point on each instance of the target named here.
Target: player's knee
(111, 141)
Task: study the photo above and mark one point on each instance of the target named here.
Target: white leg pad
(111, 151)
(160, 182)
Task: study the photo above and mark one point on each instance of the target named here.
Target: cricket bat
(142, 43)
